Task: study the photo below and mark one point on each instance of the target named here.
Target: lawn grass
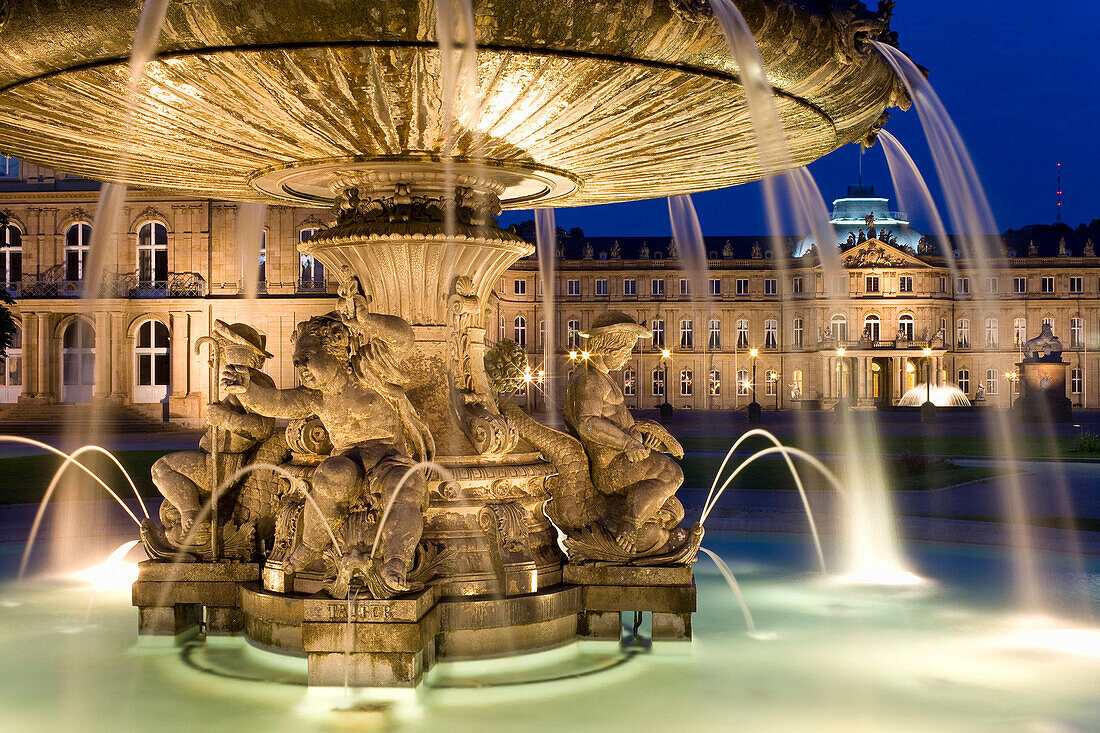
(24, 479)
(773, 474)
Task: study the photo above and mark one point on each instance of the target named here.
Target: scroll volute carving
(486, 429)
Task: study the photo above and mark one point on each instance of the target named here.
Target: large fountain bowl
(581, 102)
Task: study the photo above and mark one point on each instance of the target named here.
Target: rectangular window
(1076, 333)
(630, 286)
(771, 334)
(991, 381)
(601, 287)
(842, 284)
(943, 284)
(1019, 332)
(715, 286)
(742, 334)
(771, 380)
(1019, 285)
(630, 383)
(658, 383)
(964, 381)
(658, 334)
(871, 283)
(502, 334)
(685, 286)
(1077, 381)
(658, 287)
(991, 333)
(797, 334)
(1048, 285)
(1075, 285)
(991, 286)
(742, 287)
(572, 334)
(715, 340)
(962, 286)
(796, 285)
(771, 286)
(687, 335)
(715, 383)
(905, 284)
(574, 287)
(742, 383)
(963, 333)
(520, 287)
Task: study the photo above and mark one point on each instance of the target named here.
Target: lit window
(742, 382)
(990, 333)
(77, 239)
(1019, 332)
(742, 334)
(687, 340)
(838, 326)
(715, 385)
(686, 388)
(714, 342)
(771, 334)
(311, 271)
(152, 255)
(11, 255)
(872, 330)
(905, 327)
(991, 381)
(630, 383)
(962, 332)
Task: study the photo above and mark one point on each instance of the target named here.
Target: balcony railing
(312, 286)
(53, 284)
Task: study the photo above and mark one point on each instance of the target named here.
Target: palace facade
(859, 331)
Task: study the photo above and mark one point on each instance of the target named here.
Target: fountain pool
(944, 657)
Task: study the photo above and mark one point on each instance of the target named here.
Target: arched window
(964, 380)
(152, 255)
(687, 334)
(630, 383)
(715, 383)
(11, 369)
(658, 383)
(151, 362)
(838, 327)
(905, 327)
(686, 388)
(796, 385)
(771, 334)
(715, 339)
(77, 239)
(991, 381)
(658, 334)
(77, 362)
(991, 333)
(311, 275)
(519, 331)
(742, 382)
(872, 328)
(742, 333)
(11, 256)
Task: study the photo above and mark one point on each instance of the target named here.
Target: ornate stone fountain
(339, 102)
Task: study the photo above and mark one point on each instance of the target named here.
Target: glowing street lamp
(754, 406)
(666, 408)
(1011, 377)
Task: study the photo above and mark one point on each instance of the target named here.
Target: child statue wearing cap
(186, 478)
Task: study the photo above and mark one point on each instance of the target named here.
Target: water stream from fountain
(546, 250)
(731, 580)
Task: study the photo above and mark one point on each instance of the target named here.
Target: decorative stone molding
(486, 429)
(150, 213)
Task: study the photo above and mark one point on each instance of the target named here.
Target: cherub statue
(187, 478)
(757, 251)
(350, 366)
(625, 456)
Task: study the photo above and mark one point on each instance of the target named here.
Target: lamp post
(1011, 377)
(928, 410)
(840, 379)
(754, 413)
(666, 408)
(773, 377)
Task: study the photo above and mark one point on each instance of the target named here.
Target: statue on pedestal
(614, 496)
(1044, 347)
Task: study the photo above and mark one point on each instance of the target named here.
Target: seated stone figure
(624, 455)
(349, 363)
(186, 478)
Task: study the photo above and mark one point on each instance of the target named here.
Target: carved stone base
(667, 592)
(171, 597)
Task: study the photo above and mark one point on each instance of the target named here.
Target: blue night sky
(1021, 81)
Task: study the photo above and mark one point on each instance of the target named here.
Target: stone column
(179, 345)
(44, 383)
(122, 362)
(30, 352)
(103, 349)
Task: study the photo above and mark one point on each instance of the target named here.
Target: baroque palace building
(174, 264)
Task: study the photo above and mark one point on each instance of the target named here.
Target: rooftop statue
(757, 251)
(614, 497)
(727, 250)
(1032, 249)
(1090, 250)
(349, 363)
(616, 250)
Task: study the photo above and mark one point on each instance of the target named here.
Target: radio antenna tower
(1058, 215)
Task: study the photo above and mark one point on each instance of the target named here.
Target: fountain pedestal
(1043, 394)
(668, 593)
(172, 597)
